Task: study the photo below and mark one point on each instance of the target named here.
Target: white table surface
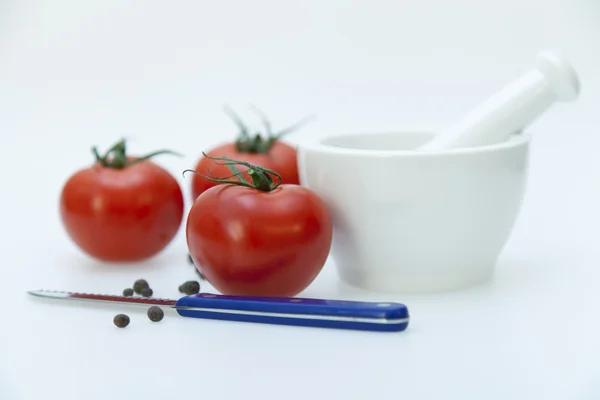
(531, 333)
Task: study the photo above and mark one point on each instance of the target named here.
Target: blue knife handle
(339, 314)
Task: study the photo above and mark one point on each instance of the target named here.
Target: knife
(296, 311)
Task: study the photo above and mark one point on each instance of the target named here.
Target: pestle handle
(514, 107)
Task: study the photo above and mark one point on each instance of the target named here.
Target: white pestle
(512, 108)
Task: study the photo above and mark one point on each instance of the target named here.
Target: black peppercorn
(190, 287)
(193, 287)
(155, 314)
(146, 292)
(121, 320)
(139, 285)
(128, 292)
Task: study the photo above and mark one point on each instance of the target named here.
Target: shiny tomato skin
(281, 158)
(252, 243)
(122, 215)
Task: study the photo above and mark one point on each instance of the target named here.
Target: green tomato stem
(247, 143)
(261, 176)
(116, 156)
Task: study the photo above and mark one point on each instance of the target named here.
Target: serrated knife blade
(106, 298)
(295, 311)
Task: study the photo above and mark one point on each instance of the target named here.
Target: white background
(79, 73)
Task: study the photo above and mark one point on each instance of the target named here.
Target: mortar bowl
(416, 222)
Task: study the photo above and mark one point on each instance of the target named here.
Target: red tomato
(269, 152)
(118, 212)
(251, 242)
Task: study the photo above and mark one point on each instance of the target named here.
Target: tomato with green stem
(122, 208)
(257, 236)
(269, 152)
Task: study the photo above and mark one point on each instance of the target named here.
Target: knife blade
(295, 311)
